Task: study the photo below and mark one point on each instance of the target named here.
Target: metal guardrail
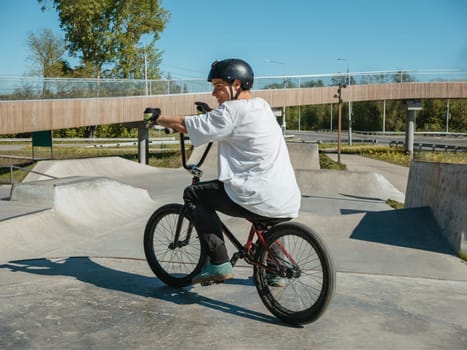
(22, 169)
(425, 133)
(431, 147)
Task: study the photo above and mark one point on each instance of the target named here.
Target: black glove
(202, 107)
(151, 115)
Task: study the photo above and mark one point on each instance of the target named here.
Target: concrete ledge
(443, 187)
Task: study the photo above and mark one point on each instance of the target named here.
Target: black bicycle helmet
(231, 69)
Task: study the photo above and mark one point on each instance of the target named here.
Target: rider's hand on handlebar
(202, 107)
(151, 115)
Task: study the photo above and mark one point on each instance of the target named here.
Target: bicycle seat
(267, 223)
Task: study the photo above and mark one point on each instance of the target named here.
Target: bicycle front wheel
(296, 276)
(174, 259)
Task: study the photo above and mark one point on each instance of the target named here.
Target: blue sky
(294, 37)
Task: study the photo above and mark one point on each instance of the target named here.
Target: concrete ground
(73, 274)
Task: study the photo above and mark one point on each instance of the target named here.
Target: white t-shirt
(253, 160)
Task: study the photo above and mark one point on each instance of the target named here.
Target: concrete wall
(443, 188)
(303, 155)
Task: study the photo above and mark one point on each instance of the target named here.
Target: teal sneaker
(212, 272)
(276, 281)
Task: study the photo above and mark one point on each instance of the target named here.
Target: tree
(108, 32)
(403, 77)
(312, 83)
(458, 116)
(47, 50)
(367, 116)
(342, 79)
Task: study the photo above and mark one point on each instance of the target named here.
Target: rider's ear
(237, 84)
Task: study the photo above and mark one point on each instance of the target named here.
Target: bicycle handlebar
(194, 169)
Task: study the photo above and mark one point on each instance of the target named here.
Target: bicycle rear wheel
(301, 260)
(174, 260)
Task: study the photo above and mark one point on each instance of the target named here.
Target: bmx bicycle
(285, 249)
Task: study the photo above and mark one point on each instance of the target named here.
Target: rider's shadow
(86, 270)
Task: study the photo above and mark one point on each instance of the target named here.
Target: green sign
(42, 138)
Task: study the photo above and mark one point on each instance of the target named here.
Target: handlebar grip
(202, 107)
(151, 114)
(169, 131)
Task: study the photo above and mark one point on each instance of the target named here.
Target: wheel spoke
(304, 294)
(170, 260)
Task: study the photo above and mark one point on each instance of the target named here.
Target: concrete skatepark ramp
(70, 211)
(347, 183)
(86, 201)
(75, 283)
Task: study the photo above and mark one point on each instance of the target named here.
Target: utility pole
(447, 116)
(330, 120)
(284, 86)
(350, 108)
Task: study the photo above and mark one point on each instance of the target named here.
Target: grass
(6, 176)
(394, 204)
(327, 163)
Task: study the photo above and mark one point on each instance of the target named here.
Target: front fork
(177, 243)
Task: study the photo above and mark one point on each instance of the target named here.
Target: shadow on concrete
(351, 198)
(362, 197)
(410, 228)
(86, 270)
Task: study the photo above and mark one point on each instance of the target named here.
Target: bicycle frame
(246, 251)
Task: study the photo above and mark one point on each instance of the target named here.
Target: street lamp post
(350, 103)
(284, 86)
(339, 120)
(145, 58)
(146, 73)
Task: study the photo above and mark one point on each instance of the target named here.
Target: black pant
(202, 201)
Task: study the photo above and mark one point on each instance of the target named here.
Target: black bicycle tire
(156, 220)
(266, 292)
